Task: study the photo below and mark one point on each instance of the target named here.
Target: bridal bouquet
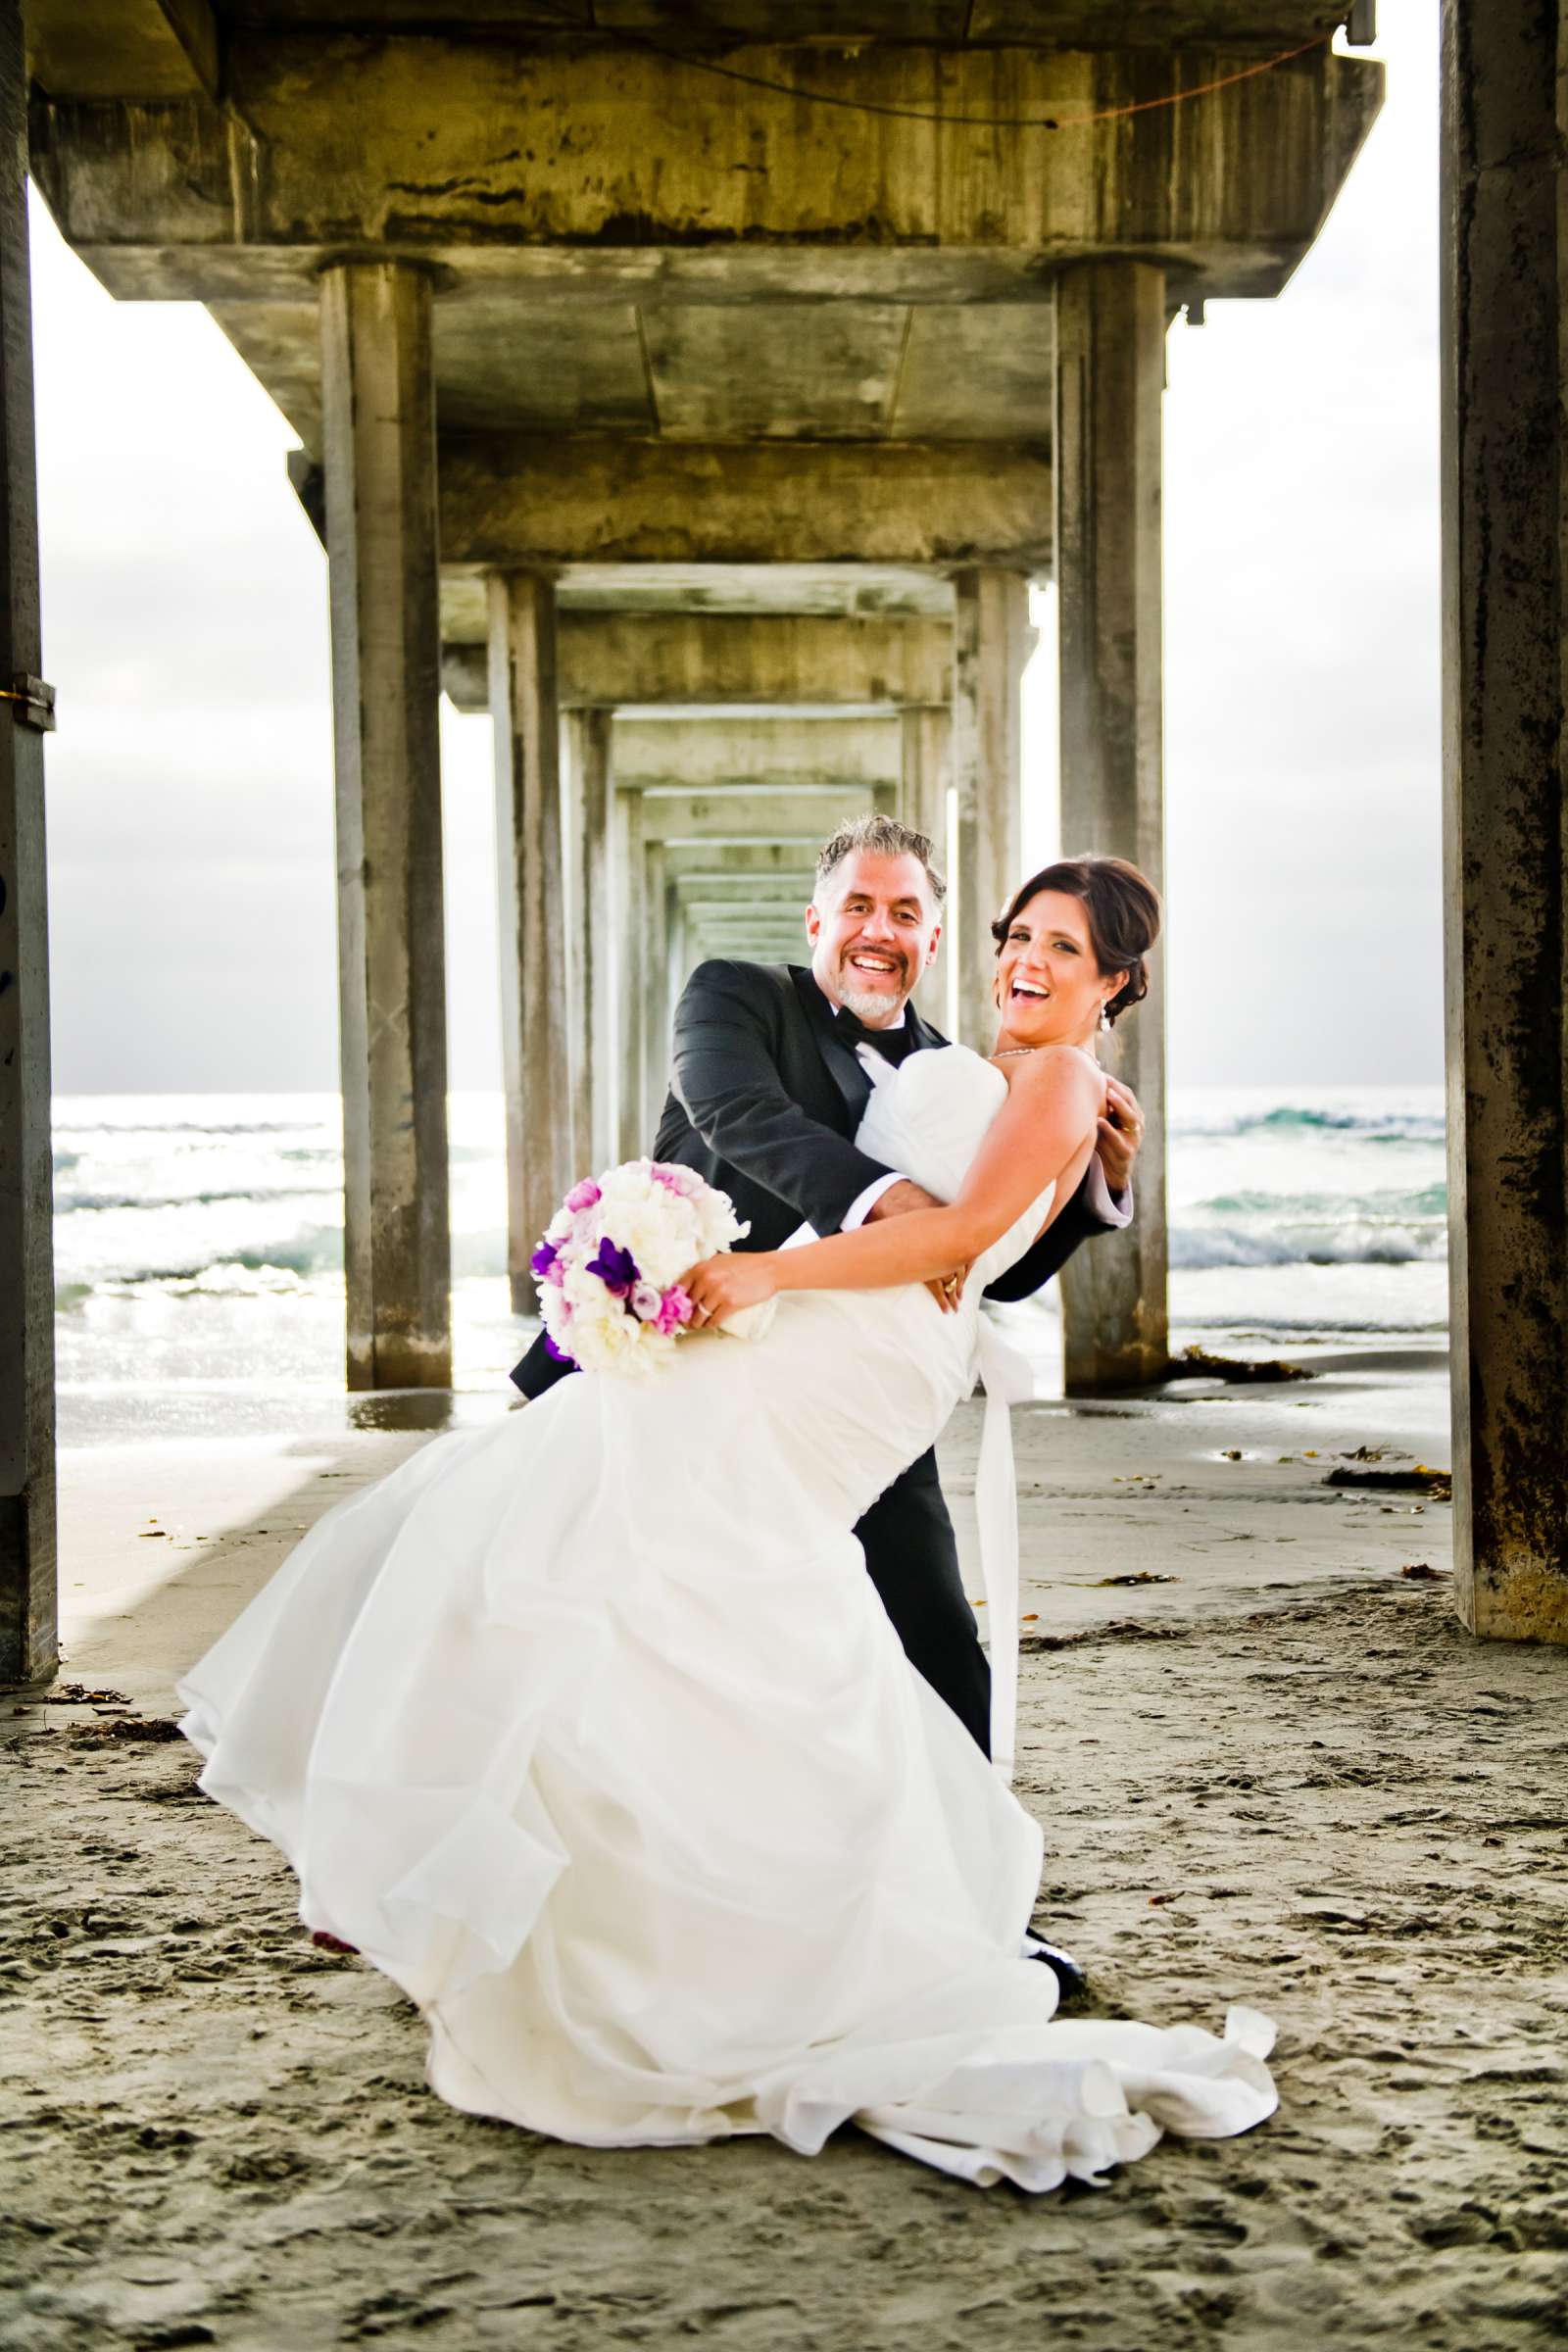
(608, 1263)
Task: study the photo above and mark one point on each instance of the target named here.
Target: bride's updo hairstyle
(1122, 908)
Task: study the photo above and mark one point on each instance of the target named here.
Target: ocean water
(198, 1240)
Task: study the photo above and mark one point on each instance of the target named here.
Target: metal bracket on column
(33, 702)
(1361, 25)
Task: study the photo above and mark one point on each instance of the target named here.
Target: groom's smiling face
(873, 929)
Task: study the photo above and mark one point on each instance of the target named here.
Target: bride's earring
(1104, 1013)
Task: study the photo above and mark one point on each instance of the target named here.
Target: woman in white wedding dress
(589, 1728)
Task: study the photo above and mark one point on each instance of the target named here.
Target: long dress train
(590, 1731)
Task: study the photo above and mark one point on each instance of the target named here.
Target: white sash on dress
(1010, 1381)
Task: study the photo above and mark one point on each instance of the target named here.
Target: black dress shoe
(1071, 1979)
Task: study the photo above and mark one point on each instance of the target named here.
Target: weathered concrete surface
(511, 498)
(1264, 24)
(1505, 763)
(414, 144)
(381, 521)
(530, 867)
(741, 814)
(695, 657)
(713, 891)
(992, 640)
(122, 48)
(759, 858)
(866, 591)
(27, 1207)
(781, 751)
(1110, 372)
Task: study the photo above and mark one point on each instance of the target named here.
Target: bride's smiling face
(1049, 989)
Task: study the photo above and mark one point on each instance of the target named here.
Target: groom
(770, 1083)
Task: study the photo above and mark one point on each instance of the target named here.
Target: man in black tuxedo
(769, 1088)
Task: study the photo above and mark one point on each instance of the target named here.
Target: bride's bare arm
(1052, 1107)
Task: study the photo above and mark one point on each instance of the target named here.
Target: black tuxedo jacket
(765, 1098)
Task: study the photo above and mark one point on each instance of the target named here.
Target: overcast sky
(190, 803)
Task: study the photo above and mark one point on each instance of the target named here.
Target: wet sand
(1286, 1776)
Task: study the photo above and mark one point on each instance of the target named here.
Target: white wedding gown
(589, 1729)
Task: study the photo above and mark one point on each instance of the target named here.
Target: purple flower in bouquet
(617, 1268)
(547, 1266)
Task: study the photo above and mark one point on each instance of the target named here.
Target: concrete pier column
(991, 642)
(658, 1006)
(1110, 373)
(530, 868)
(590, 947)
(1505, 787)
(926, 733)
(630, 901)
(378, 449)
(28, 1647)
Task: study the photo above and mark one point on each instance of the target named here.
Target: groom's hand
(945, 1288)
(1119, 1134)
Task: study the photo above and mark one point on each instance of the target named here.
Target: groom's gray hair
(880, 837)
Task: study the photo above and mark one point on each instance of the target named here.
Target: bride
(590, 1731)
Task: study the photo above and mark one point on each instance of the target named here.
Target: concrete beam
(732, 924)
(760, 859)
(779, 933)
(639, 180)
(688, 659)
(507, 498)
(827, 590)
(532, 872)
(28, 1643)
(1506, 786)
(386, 652)
(122, 49)
(752, 893)
(741, 814)
(1111, 332)
(776, 753)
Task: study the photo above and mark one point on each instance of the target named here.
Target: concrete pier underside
(754, 381)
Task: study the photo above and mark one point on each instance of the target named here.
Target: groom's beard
(874, 1005)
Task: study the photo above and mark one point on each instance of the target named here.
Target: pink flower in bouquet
(685, 1181)
(674, 1309)
(585, 1195)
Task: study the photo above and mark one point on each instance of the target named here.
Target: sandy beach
(1272, 1770)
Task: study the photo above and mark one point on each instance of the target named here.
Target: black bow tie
(894, 1045)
